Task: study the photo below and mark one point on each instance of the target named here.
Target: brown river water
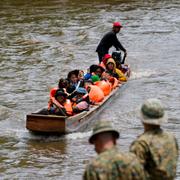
(42, 40)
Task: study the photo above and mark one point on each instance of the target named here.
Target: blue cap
(81, 90)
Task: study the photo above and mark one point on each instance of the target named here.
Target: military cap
(103, 126)
(152, 112)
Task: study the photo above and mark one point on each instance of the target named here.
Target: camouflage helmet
(103, 126)
(152, 112)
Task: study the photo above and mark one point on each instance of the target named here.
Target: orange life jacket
(95, 94)
(68, 107)
(52, 99)
(114, 82)
(105, 86)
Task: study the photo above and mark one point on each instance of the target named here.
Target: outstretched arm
(118, 45)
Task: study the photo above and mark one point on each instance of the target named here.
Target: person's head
(152, 114)
(92, 68)
(60, 96)
(117, 27)
(99, 70)
(105, 58)
(80, 75)
(110, 65)
(73, 76)
(63, 83)
(104, 136)
(80, 92)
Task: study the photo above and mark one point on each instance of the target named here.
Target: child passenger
(81, 100)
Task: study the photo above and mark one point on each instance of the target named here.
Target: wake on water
(141, 74)
(24, 135)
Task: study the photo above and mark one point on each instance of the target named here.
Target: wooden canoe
(49, 124)
(62, 124)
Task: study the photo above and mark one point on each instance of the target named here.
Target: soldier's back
(158, 152)
(114, 165)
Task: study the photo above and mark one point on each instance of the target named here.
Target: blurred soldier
(110, 164)
(156, 149)
(110, 39)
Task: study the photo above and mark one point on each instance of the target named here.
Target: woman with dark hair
(94, 69)
(90, 70)
(72, 78)
(75, 79)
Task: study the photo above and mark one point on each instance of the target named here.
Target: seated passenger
(72, 77)
(113, 71)
(58, 104)
(80, 79)
(104, 60)
(81, 75)
(61, 105)
(90, 72)
(63, 84)
(94, 70)
(81, 100)
(99, 71)
(96, 95)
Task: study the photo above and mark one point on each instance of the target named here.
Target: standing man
(110, 164)
(156, 149)
(110, 39)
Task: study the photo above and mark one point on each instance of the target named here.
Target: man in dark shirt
(110, 39)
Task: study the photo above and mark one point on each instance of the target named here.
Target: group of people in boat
(79, 90)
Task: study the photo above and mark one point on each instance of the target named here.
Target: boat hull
(45, 123)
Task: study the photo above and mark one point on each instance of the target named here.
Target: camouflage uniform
(156, 150)
(111, 164)
(114, 165)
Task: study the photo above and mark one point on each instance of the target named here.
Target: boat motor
(116, 55)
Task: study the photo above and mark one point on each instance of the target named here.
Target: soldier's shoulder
(151, 136)
(109, 157)
(143, 137)
(170, 134)
(171, 138)
(130, 158)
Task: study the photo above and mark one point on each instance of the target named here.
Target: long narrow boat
(62, 124)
